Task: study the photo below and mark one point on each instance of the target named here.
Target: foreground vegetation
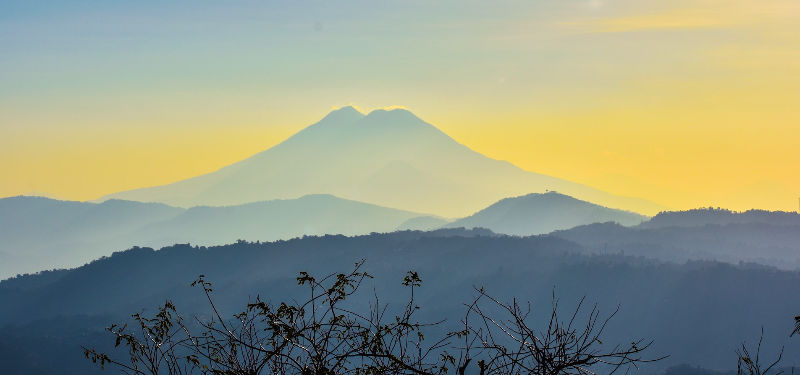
(325, 335)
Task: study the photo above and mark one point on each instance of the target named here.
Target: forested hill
(696, 312)
(718, 216)
(774, 244)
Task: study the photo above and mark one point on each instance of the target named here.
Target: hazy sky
(684, 102)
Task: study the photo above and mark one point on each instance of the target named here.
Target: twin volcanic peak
(390, 158)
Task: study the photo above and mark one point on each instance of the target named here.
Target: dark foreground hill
(696, 312)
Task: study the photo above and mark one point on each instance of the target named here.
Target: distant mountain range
(543, 213)
(764, 237)
(389, 158)
(274, 220)
(40, 233)
(712, 216)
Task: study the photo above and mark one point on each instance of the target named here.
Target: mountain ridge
(541, 213)
(718, 216)
(43, 233)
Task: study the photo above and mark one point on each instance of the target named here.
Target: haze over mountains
(712, 216)
(768, 238)
(41, 233)
(387, 157)
(404, 191)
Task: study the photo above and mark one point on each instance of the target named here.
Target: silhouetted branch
(749, 363)
(322, 336)
(511, 346)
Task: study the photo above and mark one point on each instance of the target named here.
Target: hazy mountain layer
(543, 213)
(389, 158)
(40, 233)
(273, 220)
(777, 245)
(423, 223)
(703, 216)
(697, 312)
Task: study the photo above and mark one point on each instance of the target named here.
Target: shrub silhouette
(324, 336)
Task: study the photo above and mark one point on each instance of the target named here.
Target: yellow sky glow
(685, 103)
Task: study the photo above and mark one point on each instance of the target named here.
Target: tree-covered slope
(697, 312)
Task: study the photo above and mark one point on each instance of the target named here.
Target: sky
(688, 103)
